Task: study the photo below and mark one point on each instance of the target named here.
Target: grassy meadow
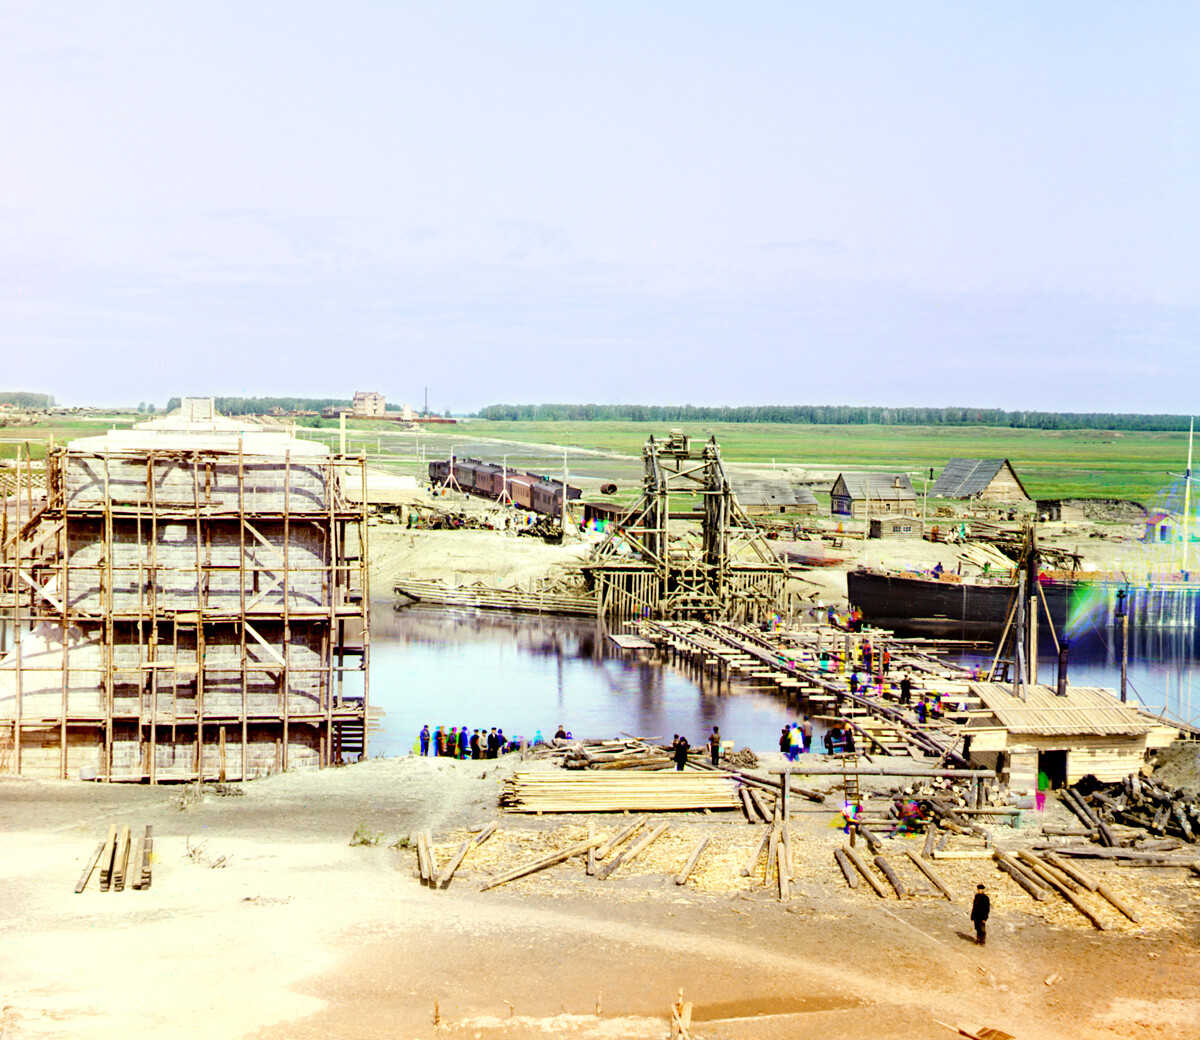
(1050, 463)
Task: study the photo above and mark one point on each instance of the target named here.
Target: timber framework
(185, 600)
(643, 568)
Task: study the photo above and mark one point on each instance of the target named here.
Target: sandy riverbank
(301, 935)
(501, 559)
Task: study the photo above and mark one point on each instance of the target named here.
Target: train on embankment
(539, 494)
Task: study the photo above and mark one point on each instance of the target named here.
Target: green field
(1051, 464)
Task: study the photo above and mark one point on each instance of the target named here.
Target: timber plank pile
(122, 859)
(632, 790)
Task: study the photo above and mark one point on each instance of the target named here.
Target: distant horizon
(476, 413)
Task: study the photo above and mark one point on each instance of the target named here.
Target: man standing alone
(714, 744)
(979, 915)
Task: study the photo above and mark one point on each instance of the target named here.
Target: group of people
(448, 742)
(796, 739)
(680, 747)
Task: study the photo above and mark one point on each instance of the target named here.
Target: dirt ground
(299, 934)
(501, 559)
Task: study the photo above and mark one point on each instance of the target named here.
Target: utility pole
(1187, 500)
(563, 520)
(1123, 617)
(925, 502)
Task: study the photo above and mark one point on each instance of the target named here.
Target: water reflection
(434, 666)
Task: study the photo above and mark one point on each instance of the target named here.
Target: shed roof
(885, 487)
(1084, 711)
(962, 478)
(763, 491)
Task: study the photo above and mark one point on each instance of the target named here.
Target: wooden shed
(1160, 527)
(856, 495)
(980, 480)
(1087, 731)
(895, 525)
(759, 496)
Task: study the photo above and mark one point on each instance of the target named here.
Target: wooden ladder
(850, 780)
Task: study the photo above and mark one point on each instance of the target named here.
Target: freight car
(488, 480)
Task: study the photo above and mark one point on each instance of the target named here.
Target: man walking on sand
(979, 915)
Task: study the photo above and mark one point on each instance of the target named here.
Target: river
(525, 673)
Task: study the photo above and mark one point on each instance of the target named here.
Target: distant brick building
(368, 404)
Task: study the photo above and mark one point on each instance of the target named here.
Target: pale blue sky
(989, 204)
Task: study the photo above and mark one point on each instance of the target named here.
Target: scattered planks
(427, 866)
(123, 860)
(626, 790)
(578, 849)
(692, 860)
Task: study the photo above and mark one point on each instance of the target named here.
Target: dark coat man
(681, 752)
(980, 909)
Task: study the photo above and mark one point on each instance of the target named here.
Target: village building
(1160, 527)
(897, 525)
(368, 405)
(761, 496)
(858, 495)
(980, 480)
(1063, 738)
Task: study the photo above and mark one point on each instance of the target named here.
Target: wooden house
(980, 480)
(856, 495)
(759, 496)
(895, 525)
(1086, 731)
(1160, 527)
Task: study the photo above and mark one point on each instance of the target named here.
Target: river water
(525, 673)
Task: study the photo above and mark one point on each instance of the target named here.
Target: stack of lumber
(123, 860)
(633, 790)
(979, 554)
(613, 754)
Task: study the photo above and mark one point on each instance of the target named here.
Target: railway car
(520, 489)
(465, 473)
(548, 496)
(489, 479)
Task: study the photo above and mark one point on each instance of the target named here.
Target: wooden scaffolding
(640, 569)
(183, 612)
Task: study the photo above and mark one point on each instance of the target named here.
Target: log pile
(1136, 802)
(617, 791)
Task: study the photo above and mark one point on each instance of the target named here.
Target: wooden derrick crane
(640, 569)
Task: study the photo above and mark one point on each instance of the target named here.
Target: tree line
(25, 399)
(833, 415)
(262, 405)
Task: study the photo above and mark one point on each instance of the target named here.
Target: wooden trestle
(182, 614)
(808, 666)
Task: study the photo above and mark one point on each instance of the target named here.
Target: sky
(986, 204)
